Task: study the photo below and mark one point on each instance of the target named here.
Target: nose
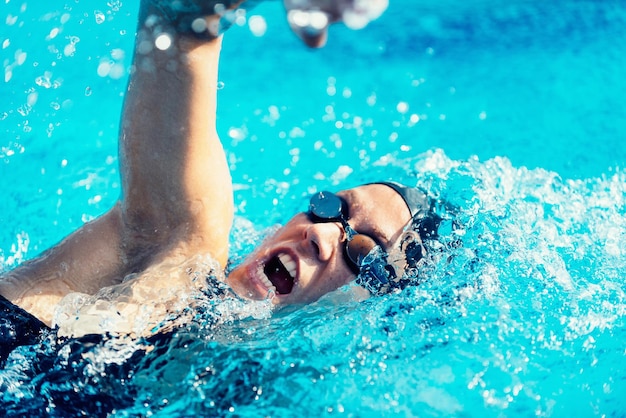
(322, 239)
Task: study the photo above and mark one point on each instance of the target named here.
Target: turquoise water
(513, 111)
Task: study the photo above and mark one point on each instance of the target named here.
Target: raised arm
(177, 193)
(176, 183)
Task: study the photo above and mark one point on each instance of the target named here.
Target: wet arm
(177, 193)
(85, 261)
(176, 183)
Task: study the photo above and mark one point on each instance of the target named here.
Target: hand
(200, 18)
(309, 19)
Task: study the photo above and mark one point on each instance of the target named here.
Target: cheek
(236, 281)
(289, 232)
(335, 280)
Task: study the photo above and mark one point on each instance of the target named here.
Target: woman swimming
(177, 198)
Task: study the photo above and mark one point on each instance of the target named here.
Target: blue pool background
(512, 110)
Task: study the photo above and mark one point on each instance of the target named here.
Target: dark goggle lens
(359, 247)
(326, 206)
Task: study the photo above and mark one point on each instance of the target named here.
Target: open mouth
(280, 273)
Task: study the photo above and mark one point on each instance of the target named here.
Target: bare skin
(177, 191)
(318, 248)
(177, 199)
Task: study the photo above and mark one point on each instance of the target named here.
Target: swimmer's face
(305, 260)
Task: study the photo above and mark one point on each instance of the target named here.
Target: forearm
(87, 260)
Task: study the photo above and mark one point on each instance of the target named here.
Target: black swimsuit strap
(17, 327)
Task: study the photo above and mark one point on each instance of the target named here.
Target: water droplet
(237, 134)
(199, 25)
(23, 110)
(117, 71)
(258, 25)
(10, 20)
(20, 57)
(115, 5)
(163, 41)
(53, 33)
(104, 68)
(402, 107)
(118, 54)
(88, 91)
(220, 85)
(100, 17)
(31, 99)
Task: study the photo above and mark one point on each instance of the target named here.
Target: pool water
(512, 111)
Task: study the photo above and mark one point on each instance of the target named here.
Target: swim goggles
(328, 207)
(376, 270)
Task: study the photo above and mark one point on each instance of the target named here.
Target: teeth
(288, 263)
(263, 277)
